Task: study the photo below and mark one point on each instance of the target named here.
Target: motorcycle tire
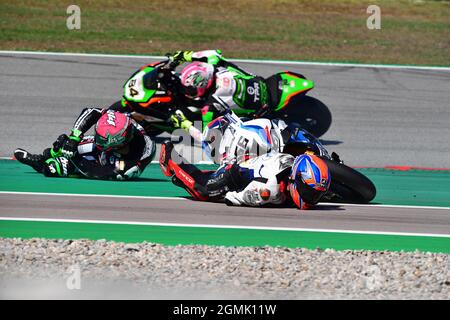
(348, 185)
(310, 113)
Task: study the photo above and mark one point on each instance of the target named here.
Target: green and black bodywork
(154, 93)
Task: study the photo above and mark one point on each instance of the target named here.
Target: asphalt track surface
(330, 216)
(380, 117)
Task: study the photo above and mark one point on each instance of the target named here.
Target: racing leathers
(78, 154)
(259, 181)
(267, 177)
(234, 86)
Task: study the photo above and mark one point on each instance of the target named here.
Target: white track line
(89, 195)
(384, 206)
(273, 62)
(185, 199)
(214, 226)
(341, 64)
(74, 54)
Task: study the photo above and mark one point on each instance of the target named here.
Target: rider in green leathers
(217, 85)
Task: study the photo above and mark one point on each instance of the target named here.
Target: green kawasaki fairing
(134, 89)
(136, 92)
(292, 85)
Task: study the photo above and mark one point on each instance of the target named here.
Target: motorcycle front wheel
(348, 185)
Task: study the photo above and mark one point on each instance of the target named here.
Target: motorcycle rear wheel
(310, 113)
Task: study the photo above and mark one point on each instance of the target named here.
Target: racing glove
(70, 146)
(255, 194)
(130, 173)
(181, 56)
(56, 150)
(179, 120)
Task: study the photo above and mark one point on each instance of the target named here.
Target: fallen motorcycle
(241, 140)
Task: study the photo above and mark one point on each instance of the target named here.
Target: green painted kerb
(220, 236)
(413, 187)
(17, 177)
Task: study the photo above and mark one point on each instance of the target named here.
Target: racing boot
(197, 191)
(36, 161)
(180, 177)
(177, 182)
(165, 157)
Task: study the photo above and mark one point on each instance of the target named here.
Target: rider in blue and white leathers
(272, 178)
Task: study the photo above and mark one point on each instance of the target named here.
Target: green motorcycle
(153, 94)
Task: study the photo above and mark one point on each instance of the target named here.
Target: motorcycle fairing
(291, 85)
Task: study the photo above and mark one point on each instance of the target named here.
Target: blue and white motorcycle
(229, 139)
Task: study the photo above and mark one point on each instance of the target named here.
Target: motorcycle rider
(169, 89)
(223, 85)
(119, 150)
(270, 179)
(228, 139)
(218, 85)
